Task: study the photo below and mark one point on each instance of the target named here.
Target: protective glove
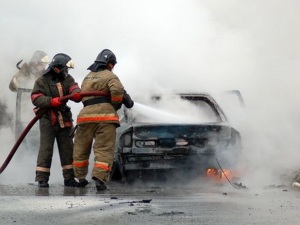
(117, 106)
(127, 101)
(76, 97)
(54, 102)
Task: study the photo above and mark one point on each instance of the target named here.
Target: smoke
(5, 116)
(194, 45)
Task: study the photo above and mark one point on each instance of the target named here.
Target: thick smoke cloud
(179, 45)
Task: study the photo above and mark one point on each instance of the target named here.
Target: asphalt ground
(148, 204)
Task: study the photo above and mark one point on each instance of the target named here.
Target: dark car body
(193, 136)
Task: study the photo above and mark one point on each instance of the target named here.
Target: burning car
(175, 135)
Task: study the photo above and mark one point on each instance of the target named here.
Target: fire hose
(235, 185)
(37, 117)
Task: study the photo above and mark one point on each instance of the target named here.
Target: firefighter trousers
(101, 138)
(48, 134)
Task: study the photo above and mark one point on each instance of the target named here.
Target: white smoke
(194, 45)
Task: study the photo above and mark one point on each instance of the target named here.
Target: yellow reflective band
(43, 169)
(67, 167)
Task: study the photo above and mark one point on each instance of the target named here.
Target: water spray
(162, 116)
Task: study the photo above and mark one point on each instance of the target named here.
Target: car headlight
(146, 143)
(126, 139)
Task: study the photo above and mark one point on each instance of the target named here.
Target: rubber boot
(71, 183)
(100, 185)
(43, 184)
(83, 182)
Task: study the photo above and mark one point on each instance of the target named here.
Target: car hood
(189, 131)
(180, 138)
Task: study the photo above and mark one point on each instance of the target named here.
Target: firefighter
(98, 120)
(57, 122)
(29, 72)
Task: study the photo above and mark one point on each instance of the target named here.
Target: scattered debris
(141, 201)
(276, 186)
(72, 205)
(172, 213)
(240, 185)
(296, 185)
(296, 180)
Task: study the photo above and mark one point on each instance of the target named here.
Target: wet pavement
(148, 204)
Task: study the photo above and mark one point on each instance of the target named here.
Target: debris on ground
(276, 186)
(296, 180)
(141, 201)
(296, 185)
(240, 185)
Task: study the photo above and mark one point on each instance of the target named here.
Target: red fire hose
(37, 117)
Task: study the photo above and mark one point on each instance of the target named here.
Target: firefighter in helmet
(57, 122)
(98, 120)
(29, 72)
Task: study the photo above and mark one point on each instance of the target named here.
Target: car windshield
(174, 109)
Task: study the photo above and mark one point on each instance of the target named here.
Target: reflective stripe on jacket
(105, 112)
(47, 87)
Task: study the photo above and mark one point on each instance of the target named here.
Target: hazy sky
(195, 45)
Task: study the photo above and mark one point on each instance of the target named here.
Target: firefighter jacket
(49, 86)
(101, 109)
